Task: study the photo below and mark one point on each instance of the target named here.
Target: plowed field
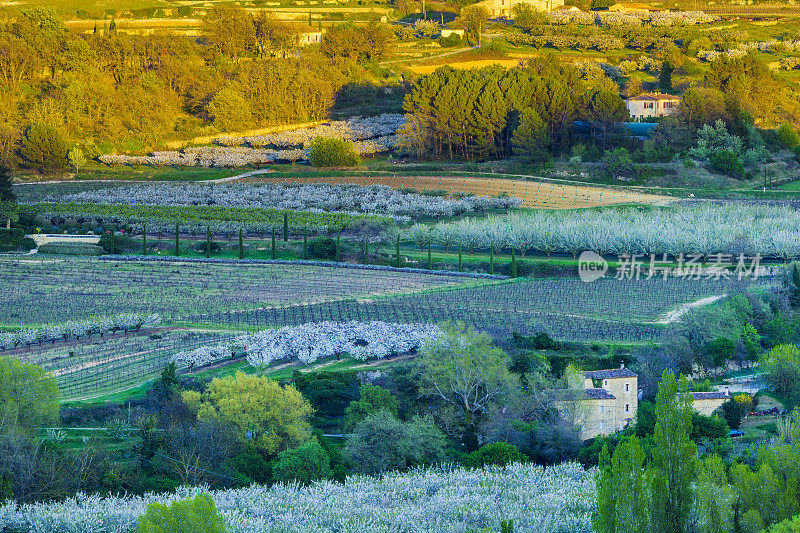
(534, 195)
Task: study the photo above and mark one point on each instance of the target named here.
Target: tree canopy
(271, 417)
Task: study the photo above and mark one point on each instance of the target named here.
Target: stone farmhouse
(608, 400)
(650, 105)
(502, 8)
(706, 403)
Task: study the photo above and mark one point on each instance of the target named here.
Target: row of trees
(495, 112)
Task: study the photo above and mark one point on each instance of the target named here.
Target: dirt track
(538, 195)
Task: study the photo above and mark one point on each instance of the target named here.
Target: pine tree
(530, 137)
(674, 466)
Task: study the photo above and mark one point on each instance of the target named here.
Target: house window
(602, 425)
(605, 383)
(627, 387)
(627, 408)
(602, 408)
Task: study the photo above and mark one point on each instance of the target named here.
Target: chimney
(727, 391)
(622, 365)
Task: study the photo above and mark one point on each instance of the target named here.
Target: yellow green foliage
(183, 516)
(271, 417)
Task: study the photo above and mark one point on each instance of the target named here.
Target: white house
(652, 105)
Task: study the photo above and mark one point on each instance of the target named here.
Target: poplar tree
(241, 244)
(274, 244)
(674, 466)
(622, 490)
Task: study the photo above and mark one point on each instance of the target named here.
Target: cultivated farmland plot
(98, 366)
(56, 291)
(564, 308)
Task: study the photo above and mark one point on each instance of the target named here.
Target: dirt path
(676, 314)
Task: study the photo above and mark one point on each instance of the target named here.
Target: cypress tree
(460, 263)
(305, 243)
(241, 244)
(513, 263)
(430, 260)
(794, 296)
(208, 242)
(113, 242)
(285, 227)
(397, 251)
(338, 245)
(274, 251)
(177, 240)
(144, 240)
(491, 258)
(366, 251)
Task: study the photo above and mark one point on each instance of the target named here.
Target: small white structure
(310, 37)
(652, 105)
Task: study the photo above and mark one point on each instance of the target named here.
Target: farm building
(605, 402)
(706, 403)
(608, 401)
(502, 8)
(652, 105)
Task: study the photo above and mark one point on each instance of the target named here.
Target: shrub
(712, 427)
(44, 148)
(450, 41)
(788, 136)
(617, 162)
(183, 516)
(331, 152)
(498, 453)
(727, 163)
(26, 244)
(119, 244)
(382, 443)
(323, 248)
(305, 464)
